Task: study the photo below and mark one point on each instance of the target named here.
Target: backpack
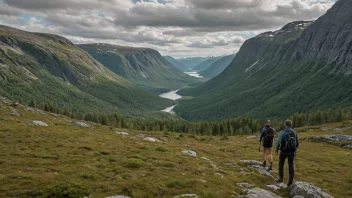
(290, 141)
(269, 135)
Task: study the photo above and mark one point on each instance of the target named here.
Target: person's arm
(261, 135)
(279, 141)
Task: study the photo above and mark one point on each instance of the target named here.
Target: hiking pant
(290, 156)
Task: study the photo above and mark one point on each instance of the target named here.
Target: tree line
(228, 127)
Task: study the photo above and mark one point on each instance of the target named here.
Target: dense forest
(228, 127)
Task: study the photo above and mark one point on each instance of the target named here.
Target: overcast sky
(180, 28)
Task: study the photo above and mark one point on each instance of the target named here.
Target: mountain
(49, 69)
(176, 64)
(217, 67)
(302, 67)
(143, 66)
(191, 62)
(205, 64)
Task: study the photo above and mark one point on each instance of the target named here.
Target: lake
(194, 74)
(172, 95)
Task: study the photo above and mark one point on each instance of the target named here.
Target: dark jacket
(280, 139)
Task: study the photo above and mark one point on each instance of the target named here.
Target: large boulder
(121, 133)
(190, 153)
(37, 123)
(307, 190)
(259, 193)
(333, 138)
(251, 162)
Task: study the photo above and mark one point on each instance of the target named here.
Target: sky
(180, 28)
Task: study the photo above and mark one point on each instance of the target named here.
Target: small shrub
(62, 190)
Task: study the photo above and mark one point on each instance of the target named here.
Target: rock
(121, 133)
(213, 166)
(186, 145)
(33, 109)
(15, 113)
(37, 123)
(222, 171)
(53, 114)
(308, 190)
(164, 139)
(325, 129)
(298, 196)
(348, 146)
(151, 139)
(251, 162)
(276, 186)
(190, 153)
(187, 195)
(81, 124)
(244, 173)
(333, 138)
(261, 170)
(245, 185)
(343, 129)
(204, 158)
(259, 193)
(251, 137)
(231, 164)
(203, 181)
(118, 196)
(219, 174)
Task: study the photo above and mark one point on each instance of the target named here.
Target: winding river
(172, 95)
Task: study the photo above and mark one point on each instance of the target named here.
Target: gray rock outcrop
(151, 139)
(121, 133)
(307, 190)
(348, 146)
(37, 123)
(333, 138)
(81, 124)
(190, 153)
(187, 195)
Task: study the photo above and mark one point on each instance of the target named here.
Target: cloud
(171, 26)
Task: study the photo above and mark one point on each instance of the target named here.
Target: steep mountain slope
(217, 67)
(142, 66)
(50, 69)
(303, 66)
(176, 64)
(191, 62)
(205, 64)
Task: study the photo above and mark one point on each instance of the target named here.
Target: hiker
(287, 143)
(267, 135)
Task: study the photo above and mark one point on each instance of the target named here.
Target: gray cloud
(176, 24)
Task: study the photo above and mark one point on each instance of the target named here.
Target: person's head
(268, 123)
(288, 123)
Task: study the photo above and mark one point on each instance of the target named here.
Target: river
(172, 95)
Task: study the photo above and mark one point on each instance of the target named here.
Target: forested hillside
(302, 67)
(142, 66)
(45, 68)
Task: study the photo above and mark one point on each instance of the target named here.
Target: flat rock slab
(151, 139)
(251, 162)
(307, 190)
(333, 138)
(259, 193)
(187, 195)
(37, 123)
(343, 129)
(190, 153)
(348, 146)
(206, 159)
(262, 170)
(81, 124)
(276, 186)
(121, 133)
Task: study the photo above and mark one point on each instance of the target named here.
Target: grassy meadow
(63, 159)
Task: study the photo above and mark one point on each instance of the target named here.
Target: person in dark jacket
(267, 135)
(287, 143)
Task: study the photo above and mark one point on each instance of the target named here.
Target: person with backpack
(288, 144)
(267, 135)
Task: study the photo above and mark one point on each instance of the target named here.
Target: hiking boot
(264, 164)
(279, 180)
(269, 169)
(289, 185)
